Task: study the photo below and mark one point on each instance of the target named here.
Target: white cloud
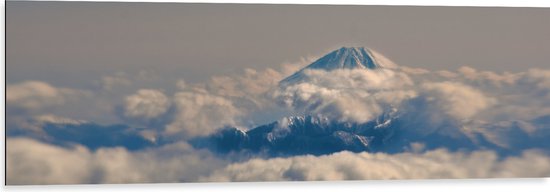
(32, 162)
(487, 79)
(435, 164)
(456, 99)
(200, 113)
(468, 72)
(251, 83)
(538, 81)
(346, 95)
(34, 96)
(177, 162)
(146, 104)
(521, 95)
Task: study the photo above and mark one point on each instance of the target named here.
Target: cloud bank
(146, 104)
(503, 117)
(346, 95)
(437, 164)
(35, 96)
(200, 114)
(32, 162)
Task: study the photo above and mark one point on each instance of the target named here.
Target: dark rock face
(389, 133)
(318, 136)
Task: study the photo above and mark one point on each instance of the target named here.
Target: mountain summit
(345, 58)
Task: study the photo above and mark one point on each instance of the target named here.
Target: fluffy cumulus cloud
(32, 162)
(203, 108)
(200, 113)
(33, 96)
(251, 83)
(146, 103)
(29, 162)
(435, 164)
(511, 95)
(538, 81)
(456, 99)
(347, 95)
(523, 95)
(527, 97)
(28, 103)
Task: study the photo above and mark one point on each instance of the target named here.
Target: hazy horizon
(57, 41)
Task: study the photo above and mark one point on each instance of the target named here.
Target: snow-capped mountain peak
(350, 58)
(345, 58)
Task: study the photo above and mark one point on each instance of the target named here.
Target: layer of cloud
(250, 99)
(146, 104)
(199, 114)
(32, 162)
(238, 100)
(437, 164)
(346, 95)
(34, 96)
(514, 94)
(30, 104)
(456, 99)
(504, 108)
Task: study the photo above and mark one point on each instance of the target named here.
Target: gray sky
(74, 43)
